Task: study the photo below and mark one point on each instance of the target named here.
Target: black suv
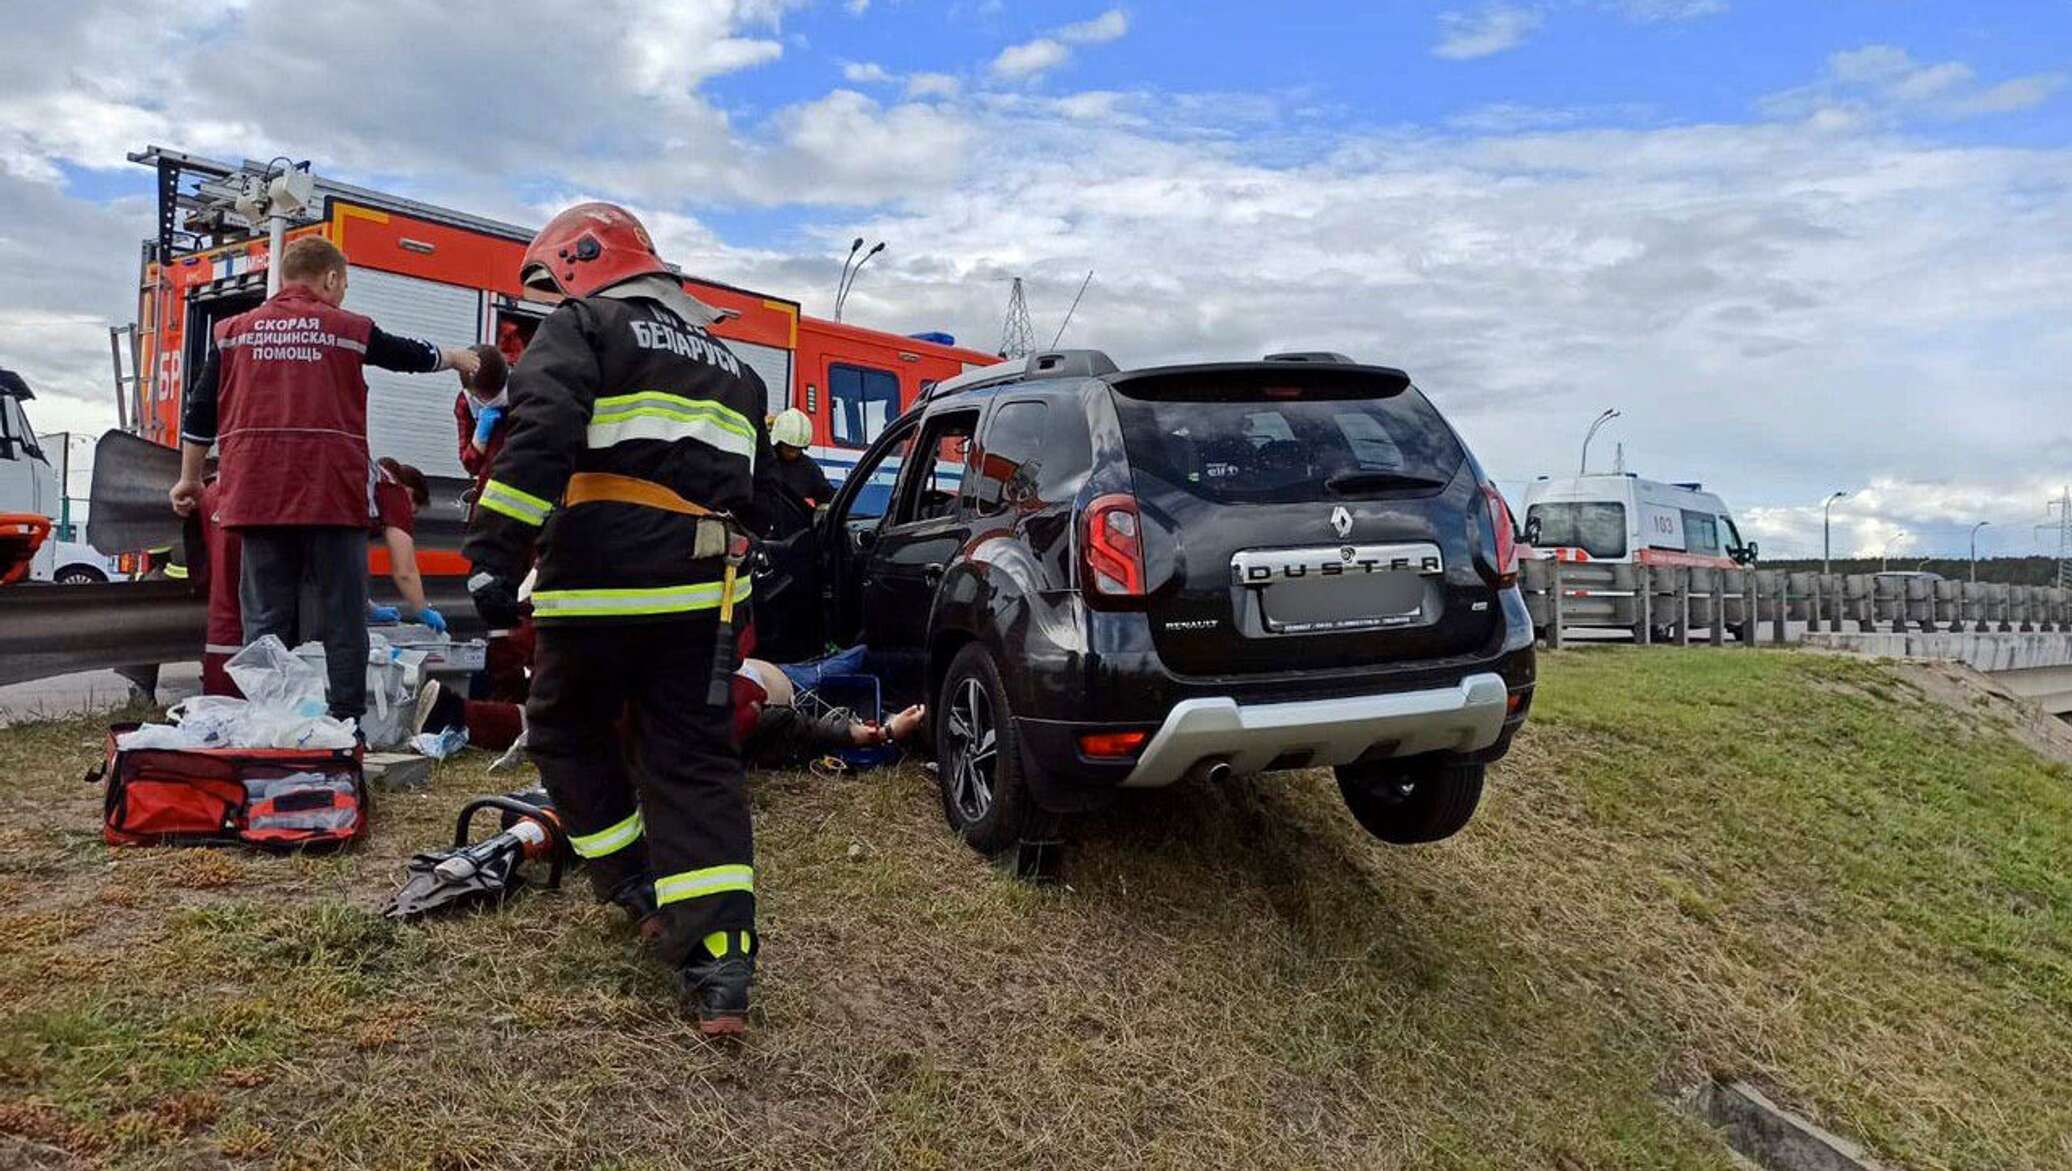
(1104, 579)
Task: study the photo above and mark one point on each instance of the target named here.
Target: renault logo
(1341, 521)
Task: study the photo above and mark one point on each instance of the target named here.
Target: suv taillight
(1506, 537)
(1112, 548)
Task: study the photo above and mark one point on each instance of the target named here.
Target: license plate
(1339, 587)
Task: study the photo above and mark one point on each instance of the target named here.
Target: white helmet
(792, 428)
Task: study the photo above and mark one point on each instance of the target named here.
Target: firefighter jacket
(622, 386)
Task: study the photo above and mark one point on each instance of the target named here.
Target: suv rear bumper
(1467, 717)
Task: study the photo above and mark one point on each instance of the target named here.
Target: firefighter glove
(496, 599)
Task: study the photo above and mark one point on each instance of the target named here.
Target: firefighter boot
(635, 895)
(715, 982)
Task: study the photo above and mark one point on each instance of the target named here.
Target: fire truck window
(860, 402)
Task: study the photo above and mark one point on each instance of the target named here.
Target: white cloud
(857, 7)
(1031, 59)
(866, 73)
(1780, 308)
(2009, 96)
(1490, 29)
(931, 85)
(1885, 82)
(1111, 25)
(1652, 11)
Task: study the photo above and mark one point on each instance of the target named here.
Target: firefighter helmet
(792, 428)
(590, 246)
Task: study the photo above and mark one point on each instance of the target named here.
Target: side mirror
(1532, 531)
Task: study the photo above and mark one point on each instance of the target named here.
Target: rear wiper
(1348, 483)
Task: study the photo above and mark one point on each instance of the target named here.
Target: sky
(1801, 247)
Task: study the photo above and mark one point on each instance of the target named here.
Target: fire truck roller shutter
(410, 416)
(772, 364)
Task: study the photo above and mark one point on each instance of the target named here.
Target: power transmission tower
(1017, 335)
(2062, 506)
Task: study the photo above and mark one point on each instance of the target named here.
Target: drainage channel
(1771, 1137)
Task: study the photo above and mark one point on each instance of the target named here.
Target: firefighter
(791, 434)
(636, 453)
(283, 395)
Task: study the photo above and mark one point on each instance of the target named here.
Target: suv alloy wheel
(984, 795)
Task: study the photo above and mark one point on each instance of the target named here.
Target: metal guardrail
(48, 630)
(1666, 603)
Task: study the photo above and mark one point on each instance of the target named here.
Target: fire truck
(452, 277)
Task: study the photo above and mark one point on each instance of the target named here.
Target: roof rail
(1330, 356)
(1041, 365)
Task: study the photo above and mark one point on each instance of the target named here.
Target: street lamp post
(1885, 559)
(1827, 532)
(843, 298)
(1583, 469)
(843, 281)
(1974, 547)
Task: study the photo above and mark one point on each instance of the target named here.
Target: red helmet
(590, 246)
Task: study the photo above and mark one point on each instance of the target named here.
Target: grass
(1788, 867)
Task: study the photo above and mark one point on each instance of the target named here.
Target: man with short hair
(283, 397)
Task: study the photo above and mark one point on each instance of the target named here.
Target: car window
(1007, 466)
(928, 491)
(1596, 527)
(1734, 540)
(1288, 447)
(879, 476)
(861, 401)
(1701, 533)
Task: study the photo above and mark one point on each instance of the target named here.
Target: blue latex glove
(485, 423)
(433, 619)
(384, 614)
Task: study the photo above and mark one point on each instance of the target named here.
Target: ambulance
(1624, 518)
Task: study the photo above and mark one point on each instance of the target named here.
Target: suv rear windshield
(1288, 440)
(1596, 529)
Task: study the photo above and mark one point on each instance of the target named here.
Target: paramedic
(283, 397)
(400, 492)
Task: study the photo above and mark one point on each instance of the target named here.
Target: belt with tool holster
(719, 535)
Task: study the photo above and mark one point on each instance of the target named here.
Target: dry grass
(1771, 865)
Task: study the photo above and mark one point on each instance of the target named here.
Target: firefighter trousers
(645, 773)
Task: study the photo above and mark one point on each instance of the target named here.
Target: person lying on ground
(772, 730)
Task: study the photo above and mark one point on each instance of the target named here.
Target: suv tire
(1406, 803)
(79, 575)
(978, 757)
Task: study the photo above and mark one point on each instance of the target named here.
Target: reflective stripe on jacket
(624, 386)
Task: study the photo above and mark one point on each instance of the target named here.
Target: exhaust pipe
(1214, 772)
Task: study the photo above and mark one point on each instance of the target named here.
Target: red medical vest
(292, 430)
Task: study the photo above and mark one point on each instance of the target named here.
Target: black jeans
(277, 559)
(644, 772)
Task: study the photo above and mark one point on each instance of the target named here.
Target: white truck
(29, 487)
(1624, 518)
